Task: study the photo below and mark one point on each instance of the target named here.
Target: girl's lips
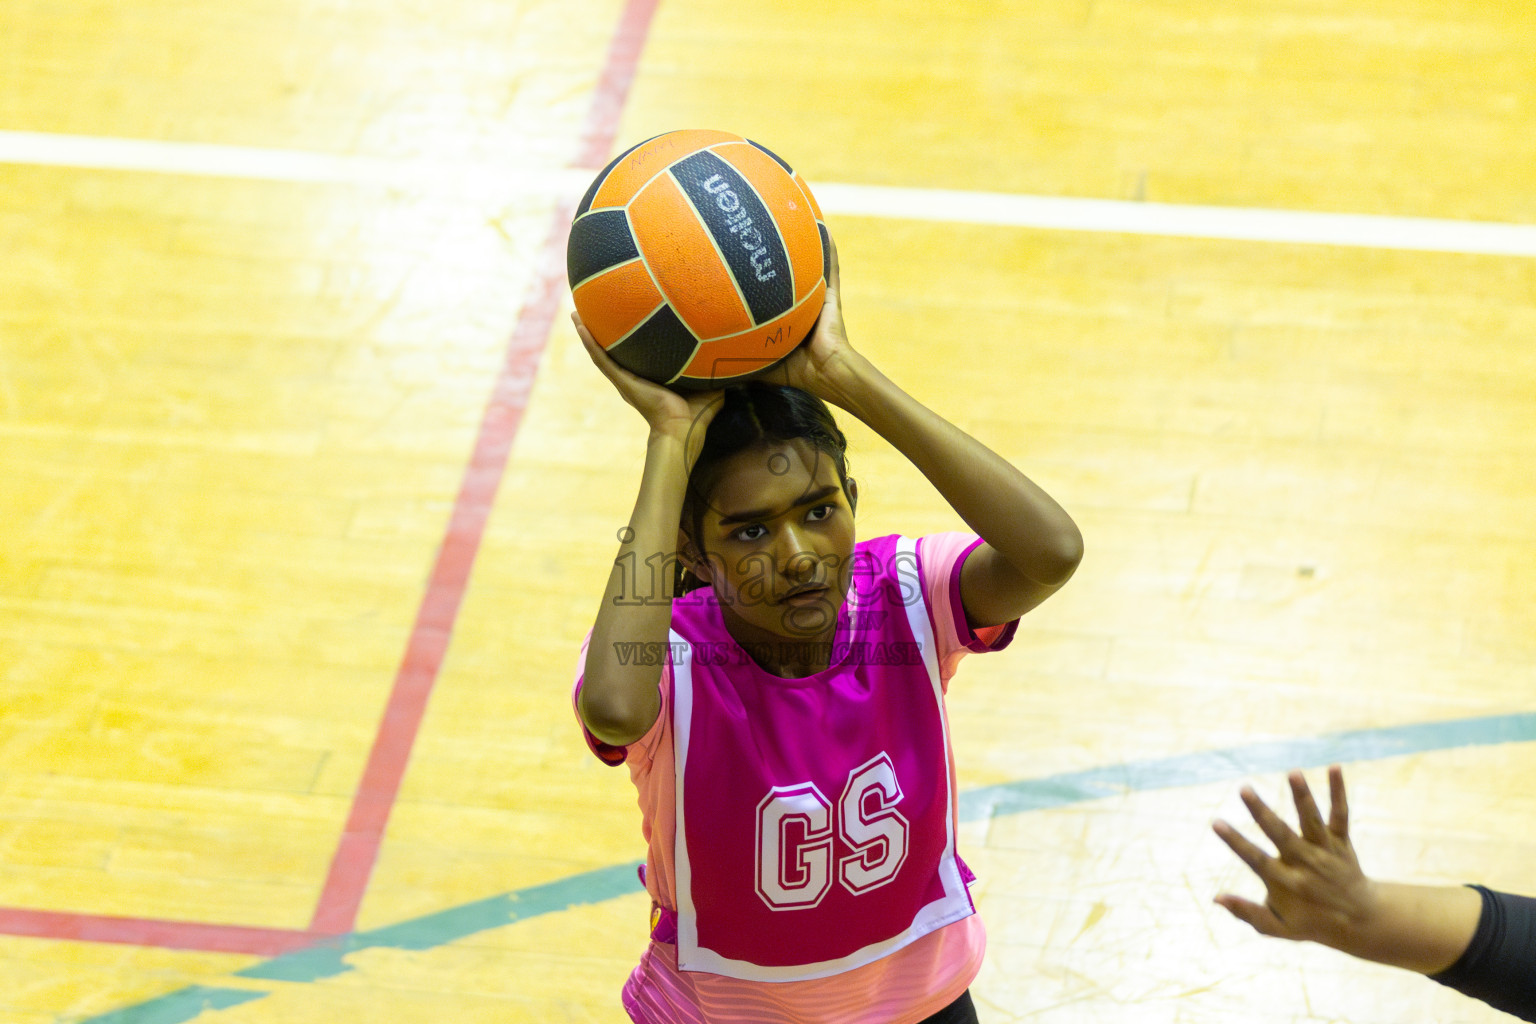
(805, 596)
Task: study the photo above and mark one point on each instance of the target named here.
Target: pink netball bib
(814, 824)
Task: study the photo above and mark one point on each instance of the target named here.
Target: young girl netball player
(783, 719)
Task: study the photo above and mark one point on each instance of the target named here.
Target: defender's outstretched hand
(1316, 890)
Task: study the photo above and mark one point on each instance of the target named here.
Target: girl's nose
(797, 561)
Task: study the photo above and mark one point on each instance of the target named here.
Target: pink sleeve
(939, 558)
(610, 755)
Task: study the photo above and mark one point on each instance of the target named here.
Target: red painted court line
(612, 90)
(206, 938)
(347, 882)
(352, 866)
(355, 857)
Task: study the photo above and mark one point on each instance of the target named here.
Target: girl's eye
(753, 532)
(821, 512)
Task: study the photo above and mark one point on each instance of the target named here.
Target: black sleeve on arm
(1499, 966)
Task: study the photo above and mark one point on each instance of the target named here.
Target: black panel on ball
(658, 349)
(744, 231)
(598, 241)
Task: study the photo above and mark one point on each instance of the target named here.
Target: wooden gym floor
(309, 491)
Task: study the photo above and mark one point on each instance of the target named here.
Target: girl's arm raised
(1032, 546)
(619, 698)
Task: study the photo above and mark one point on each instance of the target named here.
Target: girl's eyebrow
(816, 497)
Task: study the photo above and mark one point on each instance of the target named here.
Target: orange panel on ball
(685, 263)
(613, 303)
(754, 349)
(651, 158)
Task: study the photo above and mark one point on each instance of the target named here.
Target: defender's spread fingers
(1273, 826)
(1260, 918)
(1246, 851)
(1307, 814)
(1338, 811)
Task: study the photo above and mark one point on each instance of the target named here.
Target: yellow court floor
(310, 492)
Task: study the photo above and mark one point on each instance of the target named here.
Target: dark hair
(755, 413)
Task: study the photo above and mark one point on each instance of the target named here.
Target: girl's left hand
(821, 364)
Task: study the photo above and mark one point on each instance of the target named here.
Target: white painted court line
(262, 164)
(1002, 209)
(186, 158)
(1251, 225)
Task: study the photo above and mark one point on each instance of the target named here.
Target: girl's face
(777, 534)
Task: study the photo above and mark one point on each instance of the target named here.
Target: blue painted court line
(1053, 791)
(1238, 762)
(179, 1006)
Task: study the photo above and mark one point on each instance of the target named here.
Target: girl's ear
(852, 487)
(693, 561)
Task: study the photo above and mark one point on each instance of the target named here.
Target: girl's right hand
(683, 417)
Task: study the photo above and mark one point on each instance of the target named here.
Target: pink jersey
(802, 831)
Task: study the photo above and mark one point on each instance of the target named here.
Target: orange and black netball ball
(697, 259)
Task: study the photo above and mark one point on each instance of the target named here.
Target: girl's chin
(788, 621)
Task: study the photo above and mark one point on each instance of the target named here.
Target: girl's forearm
(999, 503)
(619, 697)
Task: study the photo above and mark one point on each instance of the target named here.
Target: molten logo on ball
(741, 225)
